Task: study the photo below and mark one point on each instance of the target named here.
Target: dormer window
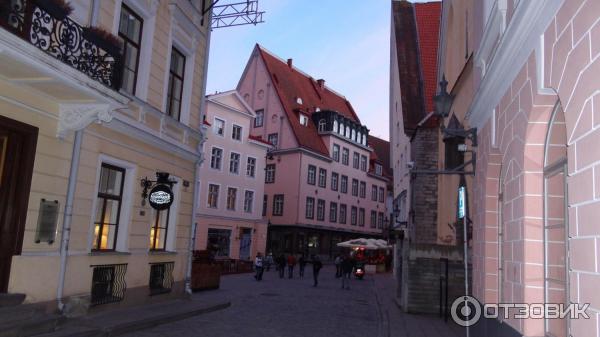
(359, 138)
(364, 140)
(299, 100)
(322, 125)
(303, 120)
(353, 134)
(335, 125)
(347, 133)
(378, 169)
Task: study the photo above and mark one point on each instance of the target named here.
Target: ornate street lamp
(443, 100)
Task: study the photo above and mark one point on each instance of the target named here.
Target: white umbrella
(370, 244)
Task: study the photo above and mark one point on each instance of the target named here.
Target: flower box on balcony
(59, 9)
(103, 39)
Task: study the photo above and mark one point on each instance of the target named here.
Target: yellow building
(81, 126)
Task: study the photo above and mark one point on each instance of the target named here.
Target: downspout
(68, 215)
(196, 193)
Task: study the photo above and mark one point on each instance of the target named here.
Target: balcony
(45, 26)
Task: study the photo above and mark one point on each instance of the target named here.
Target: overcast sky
(345, 42)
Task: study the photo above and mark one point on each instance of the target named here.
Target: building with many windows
(90, 124)
(229, 217)
(324, 183)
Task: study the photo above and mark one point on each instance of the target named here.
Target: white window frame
(245, 201)
(239, 162)
(215, 119)
(248, 166)
(211, 155)
(233, 126)
(235, 202)
(208, 195)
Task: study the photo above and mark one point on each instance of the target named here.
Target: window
(353, 136)
(361, 217)
(310, 208)
(353, 215)
(219, 241)
(378, 169)
(259, 119)
(106, 283)
(231, 198)
(213, 196)
(303, 120)
(158, 232)
(374, 193)
(344, 184)
(215, 159)
(322, 125)
(219, 127)
(161, 278)
(355, 187)
(321, 210)
(322, 178)
(248, 201)
(251, 167)
(363, 163)
(273, 138)
(270, 174)
(335, 125)
(355, 160)
(130, 31)
(333, 212)
(108, 207)
(363, 189)
(380, 220)
(345, 156)
(175, 88)
(343, 210)
(312, 175)
(336, 152)
(265, 204)
(341, 129)
(334, 181)
(381, 194)
(236, 133)
(373, 222)
(234, 163)
(278, 205)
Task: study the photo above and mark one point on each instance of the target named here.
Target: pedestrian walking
(347, 266)
(258, 265)
(338, 266)
(301, 265)
(268, 261)
(317, 265)
(281, 265)
(291, 262)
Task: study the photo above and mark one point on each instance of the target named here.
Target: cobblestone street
(289, 308)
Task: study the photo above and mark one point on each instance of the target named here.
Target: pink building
(324, 183)
(232, 181)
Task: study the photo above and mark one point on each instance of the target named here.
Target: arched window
(353, 137)
(322, 125)
(556, 227)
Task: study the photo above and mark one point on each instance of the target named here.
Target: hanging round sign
(161, 197)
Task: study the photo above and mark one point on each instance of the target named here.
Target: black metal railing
(161, 277)
(64, 39)
(108, 283)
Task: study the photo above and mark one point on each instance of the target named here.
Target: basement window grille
(108, 283)
(161, 278)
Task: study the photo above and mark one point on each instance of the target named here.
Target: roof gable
(232, 100)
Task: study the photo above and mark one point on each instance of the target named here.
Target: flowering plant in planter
(104, 39)
(59, 9)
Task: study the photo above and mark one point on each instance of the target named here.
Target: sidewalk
(397, 323)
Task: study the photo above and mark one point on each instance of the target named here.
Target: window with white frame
(355, 187)
(345, 156)
(278, 205)
(373, 222)
(273, 138)
(343, 211)
(374, 193)
(353, 216)
(216, 158)
(336, 153)
(334, 181)
(231, 198)
(248, 201)
(259, 119)
(322, 125)
(322, 177)
(312, 175)
(333, 212)
(303, 120)
(361, 217)
(344, 184)
(270, 174)
(213, 196)
(310, 208)
(356, 160)
(380, 220)
(236, 133)
(158, 231)
(381, 194)
(234, 163)
(378, 169)
(175, 85)
(108, 207)
(321, 210)
(130, 32)
(363, 163)
(363, 189)
(251, 167)
(219, 127)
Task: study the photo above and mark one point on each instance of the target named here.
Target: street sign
(461, 202)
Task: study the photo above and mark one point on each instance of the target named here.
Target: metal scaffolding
(235, 14)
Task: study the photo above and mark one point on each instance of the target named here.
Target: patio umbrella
(369, 244)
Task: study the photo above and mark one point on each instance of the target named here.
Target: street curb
(143, 324)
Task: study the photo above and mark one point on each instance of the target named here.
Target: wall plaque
(47, 221)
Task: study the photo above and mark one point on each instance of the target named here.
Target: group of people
(344, 266)
(281, 262)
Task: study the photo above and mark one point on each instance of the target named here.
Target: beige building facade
(85, 134)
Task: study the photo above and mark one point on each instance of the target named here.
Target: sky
(345, 42)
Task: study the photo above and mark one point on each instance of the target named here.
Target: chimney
(321, 83)
(289, 62)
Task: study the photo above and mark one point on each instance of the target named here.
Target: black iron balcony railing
(108, 283)
(63, 38)
(161, 277)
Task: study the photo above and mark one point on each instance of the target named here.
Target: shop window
(108, 207)
(219, 241)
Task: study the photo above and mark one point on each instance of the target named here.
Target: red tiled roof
(428, 27)
(290, 84)
(381, 148)
(259, 139)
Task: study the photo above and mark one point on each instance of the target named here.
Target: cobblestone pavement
(293, 307)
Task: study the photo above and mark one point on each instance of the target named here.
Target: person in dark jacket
(302, 265)
(317, 265)
(347, 265)
(281, 265)
(291, 262)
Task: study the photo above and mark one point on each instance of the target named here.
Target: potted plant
(103, 39)
(59, 9)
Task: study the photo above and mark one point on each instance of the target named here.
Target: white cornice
(521, 37)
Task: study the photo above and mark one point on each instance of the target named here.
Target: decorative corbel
(74, 117)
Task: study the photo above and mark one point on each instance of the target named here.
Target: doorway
(245, 243)
(17, 154)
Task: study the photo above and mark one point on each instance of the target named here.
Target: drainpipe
(196, 193)
(66, 234)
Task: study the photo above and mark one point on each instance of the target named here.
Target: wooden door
(17, 153)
